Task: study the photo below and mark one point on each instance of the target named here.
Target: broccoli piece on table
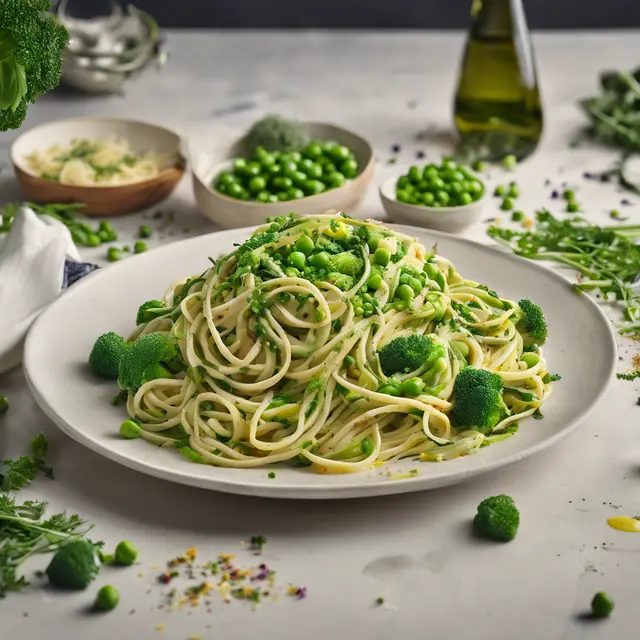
(31, 46)
(74, 565)
(408, 353)
(533, 325)
(346, 263)
(477, 401)
(498, 518)
(150, 310)
(107, 352)
(144, 359)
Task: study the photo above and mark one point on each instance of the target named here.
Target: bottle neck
(497, 17)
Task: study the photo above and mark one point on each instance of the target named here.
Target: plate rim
(320, 491)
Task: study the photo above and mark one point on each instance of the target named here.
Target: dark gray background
(441, 14)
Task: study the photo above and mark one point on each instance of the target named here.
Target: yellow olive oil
(497, 104)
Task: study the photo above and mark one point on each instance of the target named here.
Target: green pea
(374, 281)
(430, 172)
(530, 359)
(296, 156)
(272, 198)
(107, 598)
(349, 169)
(267, 160)
(399, 305)
(573, 207)
(282, 182)
(449, 164)
(113, 254)
(328, 146)
(517, 216)
(335, 179)
(320, 260)
(368, 309)
(414, 174)
(299, 177)
(313, 187)
(474, 187)
(437, 184)
(314, 171)
(140, 247)
(145, 231)
(454, 176)
(402, 183)
(358, 311)
(427, 199)
(305, 164)
(130, 430)
(257, 184)
(304, 244)
(275, 170)
(313, 150)
(240, 165)
(509, 162)
(499, 191)
(290, 272)
(235, 190)
(507, 204)
(442, 198)
(340, 153)
(415, 284)
(297, 260)
(282, 196)
(405, 293)
(465, 198)
(513, 191)
(412, 387)
(403, 196)
(295, 194)
(4, 405)
(126, 554)
(226, 178)
(479, 166)
(263, 196)
(93, 240)
(289, 167)
(328, 169)
(455, 188)
(382, 257)
(602, 605)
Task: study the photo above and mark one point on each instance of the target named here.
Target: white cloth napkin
(32, 261)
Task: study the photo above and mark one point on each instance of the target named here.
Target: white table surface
(438, 582)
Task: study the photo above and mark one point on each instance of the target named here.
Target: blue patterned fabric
(74, 271)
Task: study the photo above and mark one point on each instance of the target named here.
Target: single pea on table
(277, 176)
(446, 185)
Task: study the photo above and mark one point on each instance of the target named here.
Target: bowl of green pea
(446, 196)
(329, 171)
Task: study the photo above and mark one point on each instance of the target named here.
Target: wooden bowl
(231, 213)
(99, 200)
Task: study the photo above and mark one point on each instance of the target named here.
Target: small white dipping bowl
(230, 213)
(451, 219)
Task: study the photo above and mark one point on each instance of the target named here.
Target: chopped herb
(16, 474)
(271, 475)
(257, 543)
(538, 415)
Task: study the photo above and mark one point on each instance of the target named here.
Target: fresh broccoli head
(107, 352)
(74, 565)
(31, 46)
(150, 310)
(477, 401)
(408, 353)
(276, 133)
(498, 518)
(347, 263)
(533, 325)
(143, 360)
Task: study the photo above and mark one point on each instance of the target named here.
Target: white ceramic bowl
(450, 219)
(231, 213)
(99, 200)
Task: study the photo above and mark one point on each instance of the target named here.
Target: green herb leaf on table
(16, 474)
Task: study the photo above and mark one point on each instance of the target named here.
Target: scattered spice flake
(392, 160)
(380, 601)
(395, 148)
(197, 636)
(413, 471)
(167, 576)
(159, 627)
(297, 592)
(141, 575)
(555, 194)
(420, 155)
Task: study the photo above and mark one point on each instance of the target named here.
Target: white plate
(581, 348)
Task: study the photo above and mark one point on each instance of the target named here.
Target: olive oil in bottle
(497, 104)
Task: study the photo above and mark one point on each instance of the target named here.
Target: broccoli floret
(106, 355)
(74, 565)
(533, 325)
(498, 518)
(143, 361)
(150, 310)
(347, 263)
(31, 45)
(408, 353)
(477, 400)
(276, 133)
